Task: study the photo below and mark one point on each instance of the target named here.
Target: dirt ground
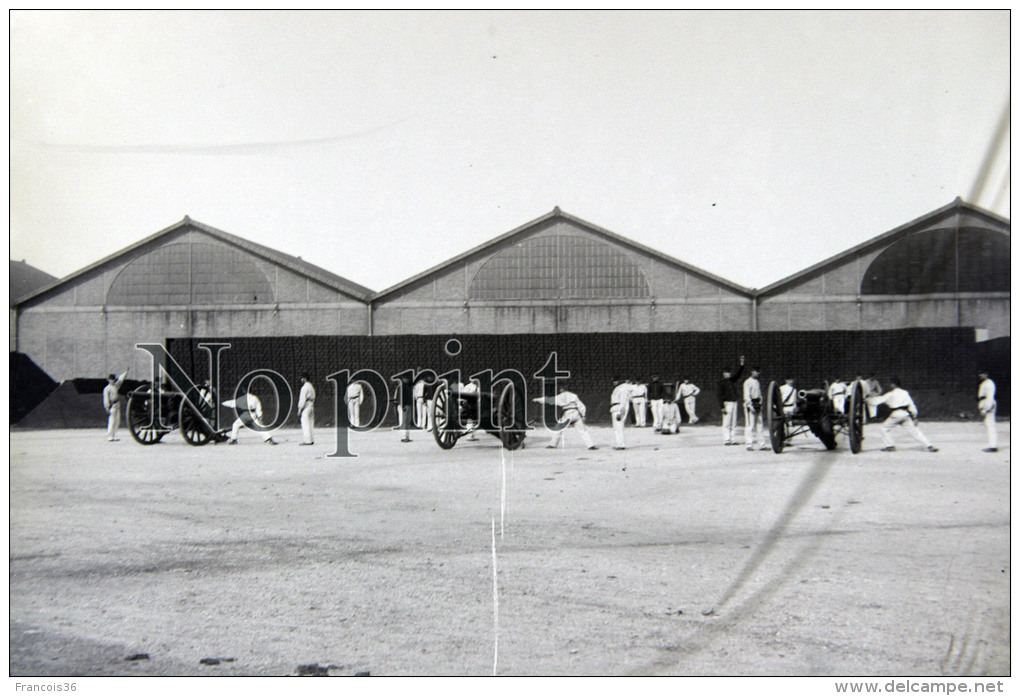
(677, 556)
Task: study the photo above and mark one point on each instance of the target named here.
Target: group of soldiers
(662, 400)
(903, 411)
(628, 396)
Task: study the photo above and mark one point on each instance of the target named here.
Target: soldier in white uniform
(670, 424)
(639, 400)
(871, 388)
(420, 407)
(111, 404)
(987, 408)
(306, 410)
(687, 393)
(753, 412)
(469, 387)
(837, 394)
(788, 395)
(405, 414)
(355, 395)
(430, 400)
(619, 404)
(904, 413)
(249, 412)
(572, 413)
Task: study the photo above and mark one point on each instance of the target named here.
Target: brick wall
(936, 365)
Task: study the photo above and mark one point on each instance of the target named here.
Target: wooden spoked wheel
(194, 428)
(511, 428)
(776, 418)
(446, 436)
(855, 417)
(141, 416)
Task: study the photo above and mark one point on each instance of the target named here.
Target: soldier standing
(872, 387)
(753, 411)
(987, 408)
(111, 404)
(788, 395)
(418, 393)
(405, 413)
(656, 391)
(306, 410)
(837, 393)
(355, 395)
(729, 397)
(619, 404)
(687, 393)
(639, 400)
(429, 395)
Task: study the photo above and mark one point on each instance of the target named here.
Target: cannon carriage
(457, 412)
(152, 414)
(813, 411)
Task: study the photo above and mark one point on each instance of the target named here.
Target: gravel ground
(677, 556)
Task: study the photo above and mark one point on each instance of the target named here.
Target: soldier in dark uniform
(729, 397)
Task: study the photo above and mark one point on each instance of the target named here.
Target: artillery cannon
(457, 412)
(148, 424)
(814, 411)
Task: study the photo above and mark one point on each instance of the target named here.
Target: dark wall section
(938, 366)
(30, 385)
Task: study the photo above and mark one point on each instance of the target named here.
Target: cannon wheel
(855, 418)
(511, 432)
(776, 418)
(445, 437)
(194, 429)
(142, 419)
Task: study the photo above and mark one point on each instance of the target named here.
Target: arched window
(559, 267)
(970, 259)
(196, 273)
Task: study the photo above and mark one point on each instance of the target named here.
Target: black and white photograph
(510, 343)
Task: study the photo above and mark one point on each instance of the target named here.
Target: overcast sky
(376, 145)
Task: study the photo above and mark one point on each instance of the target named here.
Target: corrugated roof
(320, 275)
(956, 208)
(524, 229)
(298, 265)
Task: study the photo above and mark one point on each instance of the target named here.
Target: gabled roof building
(561, 274)
(949, 268)
(555, 275)
(188, 280)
